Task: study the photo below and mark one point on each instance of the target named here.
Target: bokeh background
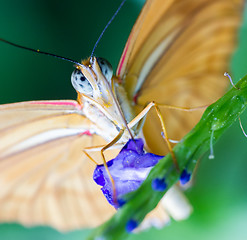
(70, 29)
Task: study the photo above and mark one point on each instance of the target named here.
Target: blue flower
(131, 225)
(185, 177)
(129, 169)
(159, 184)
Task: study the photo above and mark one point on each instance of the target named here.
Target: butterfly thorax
(104, 100)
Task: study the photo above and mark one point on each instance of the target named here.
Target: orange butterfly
(176, 54)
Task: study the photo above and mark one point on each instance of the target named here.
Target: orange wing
(177, 54)
(45, 178)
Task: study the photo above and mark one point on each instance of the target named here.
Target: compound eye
(80, 82)
(105, 68)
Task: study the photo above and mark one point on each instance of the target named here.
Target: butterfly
(176, 55)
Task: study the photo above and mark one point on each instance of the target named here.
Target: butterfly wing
(177, 54)
(45, 178)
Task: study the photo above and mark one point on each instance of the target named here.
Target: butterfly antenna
(107, 25)
(41, 52)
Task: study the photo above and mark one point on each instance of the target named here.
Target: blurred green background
(70, 29)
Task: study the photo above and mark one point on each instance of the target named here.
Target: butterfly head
(92, 79)
(94, 82)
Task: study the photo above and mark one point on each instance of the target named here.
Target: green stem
(216, 119)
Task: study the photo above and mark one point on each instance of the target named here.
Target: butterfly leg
(102, 149)
(105, 164)
(185, 109)
(86, 150)
(140, 118)
(143, 114)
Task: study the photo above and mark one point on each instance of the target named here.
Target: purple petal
(108, 195)
(129, 169)
(135, 145)
(98, 176)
